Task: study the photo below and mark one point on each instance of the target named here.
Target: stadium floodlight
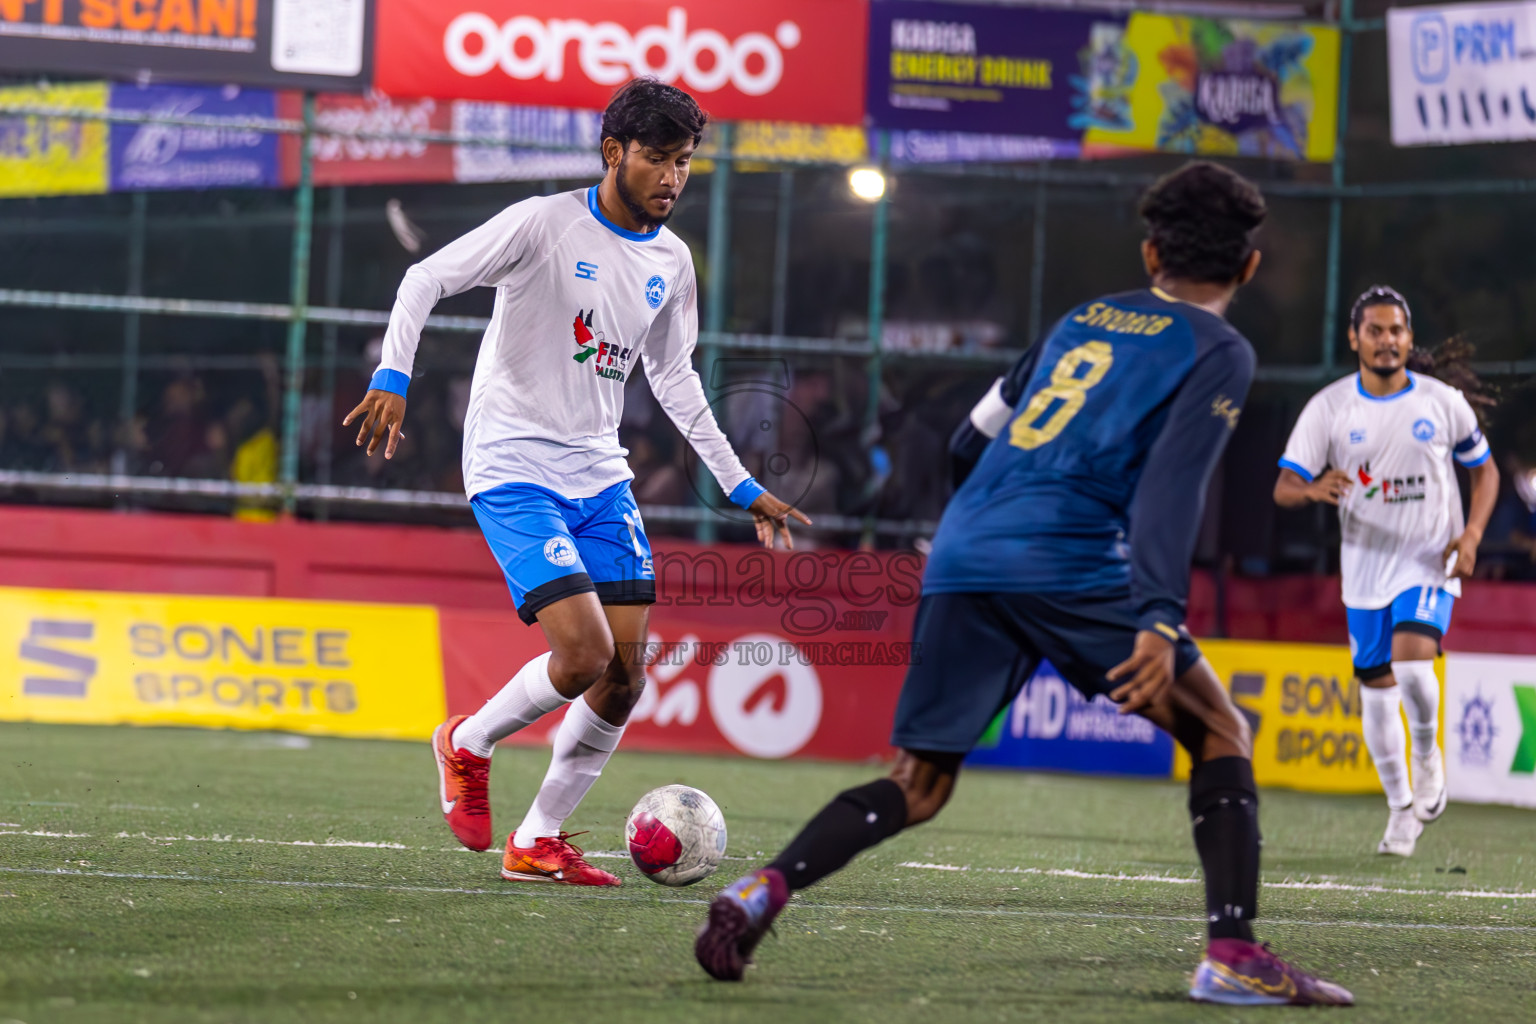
(868, 183)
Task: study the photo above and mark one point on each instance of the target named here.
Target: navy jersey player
(1070, 540)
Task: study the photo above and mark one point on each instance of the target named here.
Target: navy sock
(1224, 805)
(858, 819)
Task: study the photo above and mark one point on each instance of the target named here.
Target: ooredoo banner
(786, 60)
(149, 659)
(307, 44)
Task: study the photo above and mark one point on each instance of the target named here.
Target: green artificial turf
(235, 925)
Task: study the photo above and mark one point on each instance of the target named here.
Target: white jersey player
(589, 285)
(1387, 438)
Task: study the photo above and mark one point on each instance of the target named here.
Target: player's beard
(642, 216)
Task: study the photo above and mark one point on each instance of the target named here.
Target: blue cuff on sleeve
(1298, 470)
(392, 381)
(746, 492)
(1164, 618)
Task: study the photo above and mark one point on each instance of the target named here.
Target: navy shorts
(552, 547)
(973, 653)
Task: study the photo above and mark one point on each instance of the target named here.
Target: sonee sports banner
(789, 60)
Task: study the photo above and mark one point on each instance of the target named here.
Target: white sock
(1421, 699)
(1385, 739)
(528, 697)
(583, 746)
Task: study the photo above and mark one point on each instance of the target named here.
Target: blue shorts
(973, 653)
(1425, 610)
(551, 547)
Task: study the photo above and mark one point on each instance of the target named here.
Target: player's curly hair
(653, 113)
(1202, 218)
(1451, 362)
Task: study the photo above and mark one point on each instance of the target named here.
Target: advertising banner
(1211, 86)
(308, 44)
(51, 156)
(350, 161)
(303, 666)
(942, 68)
(528, 126)
(1461, 74)
(789, 60)
(1303, 703)
(1490, 729)
(1051, 726)
(162, 156)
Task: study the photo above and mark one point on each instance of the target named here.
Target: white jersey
(1405, 505)
(580, 302)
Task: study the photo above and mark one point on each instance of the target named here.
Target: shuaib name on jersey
(612, 360)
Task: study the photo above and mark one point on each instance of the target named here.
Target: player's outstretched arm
(382, 414)
(772, 519)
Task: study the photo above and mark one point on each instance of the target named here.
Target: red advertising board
(785, 60)
(351, 161)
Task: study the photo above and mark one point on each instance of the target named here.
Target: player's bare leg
(540, 850)
(1224, 804)
(919, 785)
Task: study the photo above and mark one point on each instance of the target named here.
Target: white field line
(1321, 886)
(1324, 885)
(577, 894)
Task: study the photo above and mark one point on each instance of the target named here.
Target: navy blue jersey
(1097, 482)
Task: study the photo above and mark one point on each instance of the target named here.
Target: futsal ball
(676, 835)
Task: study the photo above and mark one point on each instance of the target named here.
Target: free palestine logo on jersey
(1393, 490)
(612, 360)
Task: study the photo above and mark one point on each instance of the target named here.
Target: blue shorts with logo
(551, 547)
(1425, 610)
(973, 653)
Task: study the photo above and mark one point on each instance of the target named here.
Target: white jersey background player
(589, 285)
(1387, 438)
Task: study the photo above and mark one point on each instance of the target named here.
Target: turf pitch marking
(514, 891)
(1322, 886)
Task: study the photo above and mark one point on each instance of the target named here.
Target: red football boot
(552, 859)
(464, 782)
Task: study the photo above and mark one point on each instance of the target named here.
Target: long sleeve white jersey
(1404, 506)
(579, 301)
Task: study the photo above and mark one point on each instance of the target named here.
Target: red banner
(350, 161)
(789, 60)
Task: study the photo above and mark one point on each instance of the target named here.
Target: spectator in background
(66, 435)
(658, 478)
(24, 446)
(176, 433)
(212, 461)
(255, 457)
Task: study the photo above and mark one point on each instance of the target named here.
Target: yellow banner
(1303, 702)
(52, 156)
(305, 666)
(1220, 87)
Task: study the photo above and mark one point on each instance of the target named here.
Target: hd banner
(784, 60)
(305, 44)
(1462, 74)
(303, 666)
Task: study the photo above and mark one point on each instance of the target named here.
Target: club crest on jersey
(558, 551)
(1423, 430)
(611, 361)
(655, 291)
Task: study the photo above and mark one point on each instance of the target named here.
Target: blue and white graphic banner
(1463, 74)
